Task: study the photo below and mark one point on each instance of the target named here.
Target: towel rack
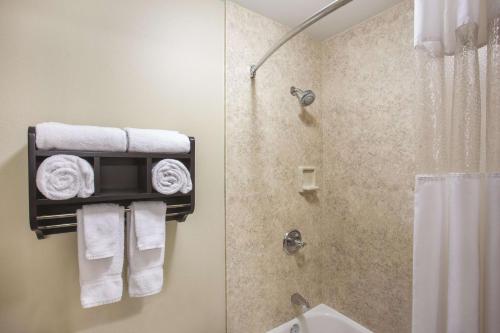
(119, 177)
(73, 215)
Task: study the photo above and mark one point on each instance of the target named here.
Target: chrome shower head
(306, 97)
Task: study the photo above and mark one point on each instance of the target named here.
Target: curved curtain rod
(336, 4)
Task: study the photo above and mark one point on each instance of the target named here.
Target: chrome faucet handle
(292, 242)
(300, 243)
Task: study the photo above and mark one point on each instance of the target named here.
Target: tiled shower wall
(368, 94)
(358, 133)
(268, 136)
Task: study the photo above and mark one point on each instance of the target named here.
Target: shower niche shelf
(307, 179)
(119, 177)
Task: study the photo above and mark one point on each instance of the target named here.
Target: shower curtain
(456, 260)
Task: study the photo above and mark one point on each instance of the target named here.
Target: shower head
(305, 97)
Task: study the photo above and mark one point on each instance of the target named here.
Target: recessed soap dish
(307, 179)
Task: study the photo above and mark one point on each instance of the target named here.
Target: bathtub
(321, 319)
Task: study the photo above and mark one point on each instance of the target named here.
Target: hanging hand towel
(146, 230)
(157, 141)
(77, 137)
(61, 177)
(101, 225)
(100, 279)
(149, 224)
(171, 176)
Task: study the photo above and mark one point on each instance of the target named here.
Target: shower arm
(336, 4)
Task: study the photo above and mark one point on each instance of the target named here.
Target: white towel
(157, 141)
(149, 224)
(100, 279)
(62, 177)
(171, 176)
(145, 267)
(101, 225)
(78, 137)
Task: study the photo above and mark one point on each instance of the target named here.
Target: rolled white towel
(78, 137)
(157, 141)
(171, 176)
(61, 177)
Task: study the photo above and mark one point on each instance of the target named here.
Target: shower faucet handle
(292, 242)
(300, 243)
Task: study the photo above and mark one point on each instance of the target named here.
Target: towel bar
(67, 225)
(63, 216)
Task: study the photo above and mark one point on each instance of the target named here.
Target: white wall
(142, 63)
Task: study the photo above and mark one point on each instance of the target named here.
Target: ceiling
(293, 12)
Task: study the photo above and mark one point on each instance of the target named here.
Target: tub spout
(298, 299)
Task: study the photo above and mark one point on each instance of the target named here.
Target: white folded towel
(171, 176)
(62, 177)
(145, 267)
(78, 137)
(101, 225)
(100, 279)
(157, 141)
(149, 224)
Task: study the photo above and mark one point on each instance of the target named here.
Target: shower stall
(388, 168)
(352, 125)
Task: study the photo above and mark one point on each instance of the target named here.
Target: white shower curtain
(456, 261)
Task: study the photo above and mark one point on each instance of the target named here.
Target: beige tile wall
(359, 133)
(268, 136)
(368, 97)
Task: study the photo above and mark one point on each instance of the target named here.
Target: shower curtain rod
(336, 4)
